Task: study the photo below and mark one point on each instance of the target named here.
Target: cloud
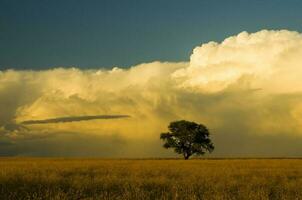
(246, 89)
(73, 119)
(265, 59)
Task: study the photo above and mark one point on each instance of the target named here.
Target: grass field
(33, 178)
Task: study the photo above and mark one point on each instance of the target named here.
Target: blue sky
(39, 34)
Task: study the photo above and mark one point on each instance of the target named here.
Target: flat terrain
(33, 178)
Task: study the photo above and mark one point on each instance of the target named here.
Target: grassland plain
(41, 178)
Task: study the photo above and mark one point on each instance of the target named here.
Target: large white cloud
(270, 60)
(247, 89)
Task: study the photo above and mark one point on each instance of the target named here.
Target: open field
(33, 178)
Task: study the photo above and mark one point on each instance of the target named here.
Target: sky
(40, 34)
(105, 78)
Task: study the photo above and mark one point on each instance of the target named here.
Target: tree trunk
(186, 156)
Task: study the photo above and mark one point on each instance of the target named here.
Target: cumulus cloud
(266, 59)
(246, 89)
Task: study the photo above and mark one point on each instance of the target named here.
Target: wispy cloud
(73, 119)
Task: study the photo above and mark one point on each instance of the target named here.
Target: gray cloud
(14, 127)
(73, 119)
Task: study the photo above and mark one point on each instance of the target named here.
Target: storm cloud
(246, 89)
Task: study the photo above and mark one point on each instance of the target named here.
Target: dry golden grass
(30, 178)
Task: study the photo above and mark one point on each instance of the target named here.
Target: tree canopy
(187, 138)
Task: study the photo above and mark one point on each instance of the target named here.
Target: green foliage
(187, 138)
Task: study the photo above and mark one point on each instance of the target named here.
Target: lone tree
(187, 138)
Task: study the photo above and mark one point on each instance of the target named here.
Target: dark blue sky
(38, 34)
